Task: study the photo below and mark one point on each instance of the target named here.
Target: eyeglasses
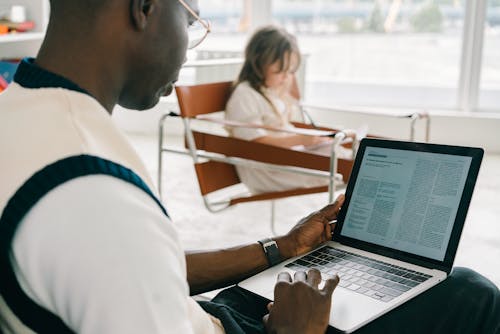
(198, 31)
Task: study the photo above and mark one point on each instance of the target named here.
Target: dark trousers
(465, 302)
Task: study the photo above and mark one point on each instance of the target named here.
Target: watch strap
(271, 250)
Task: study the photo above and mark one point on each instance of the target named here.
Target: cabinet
(25, 44)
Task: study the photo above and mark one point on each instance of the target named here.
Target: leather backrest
(203, 99)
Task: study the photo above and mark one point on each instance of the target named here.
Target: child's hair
(267, 46)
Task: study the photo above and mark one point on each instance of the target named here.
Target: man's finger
(270, 306)
(330, 211)
(265, 319)
(284, 277)
(328, 232)
(300, 276)
(314, 277)
(330, 285)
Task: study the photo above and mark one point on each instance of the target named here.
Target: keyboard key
(361, 281)
(399, 279)
(368, 284)
(391, 292)
(332, 271)
(411, 284)
(389, 284)
(419, 278)
(329, 265)
(344, 283)
(369, 293)
(327, 276)
(401, 287)
(354, 280)
(387, 299)
(302, 263)
(362, 290)
(353, 287)
(364, 268)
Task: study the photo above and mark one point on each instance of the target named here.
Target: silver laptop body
(397, 232)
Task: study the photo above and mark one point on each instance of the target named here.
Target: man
(96, 253)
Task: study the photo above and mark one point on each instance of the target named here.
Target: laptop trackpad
(351, 310)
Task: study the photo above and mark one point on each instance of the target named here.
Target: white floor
(199, 229)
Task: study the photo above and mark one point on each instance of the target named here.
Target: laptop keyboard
(376, 279)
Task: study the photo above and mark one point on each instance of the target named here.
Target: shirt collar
(30, 75)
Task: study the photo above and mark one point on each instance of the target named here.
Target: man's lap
(465, 302)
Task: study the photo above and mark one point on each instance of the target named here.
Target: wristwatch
(271, 250)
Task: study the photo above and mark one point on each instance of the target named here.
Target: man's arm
(208, 270)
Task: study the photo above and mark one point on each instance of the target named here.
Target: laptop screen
(406, 199)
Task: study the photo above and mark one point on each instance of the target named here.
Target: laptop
(397, 232)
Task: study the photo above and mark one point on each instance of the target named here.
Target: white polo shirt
(96, 251)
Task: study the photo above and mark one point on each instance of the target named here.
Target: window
(225, 16)
(489, 95)
(229, 23)
(378, 52)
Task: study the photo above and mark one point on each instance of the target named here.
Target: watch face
(270, 244)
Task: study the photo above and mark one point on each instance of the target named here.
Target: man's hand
(310, 231)
(299, 305)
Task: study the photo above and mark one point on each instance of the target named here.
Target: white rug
(479, 247)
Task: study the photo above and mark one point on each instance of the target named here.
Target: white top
(249, 106)
(97, 251)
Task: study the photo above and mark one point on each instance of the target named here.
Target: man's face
(157, 64)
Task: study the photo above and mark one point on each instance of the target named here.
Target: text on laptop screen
(406, 200)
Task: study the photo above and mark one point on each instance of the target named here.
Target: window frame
(471, 58)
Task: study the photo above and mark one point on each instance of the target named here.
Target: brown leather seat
(215, 155)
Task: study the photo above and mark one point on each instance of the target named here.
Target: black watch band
(271, 250)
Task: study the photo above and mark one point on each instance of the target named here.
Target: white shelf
(25, 44)
(20, 37)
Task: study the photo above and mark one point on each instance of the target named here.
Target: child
(262, 96)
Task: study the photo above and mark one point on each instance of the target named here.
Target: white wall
(478, 129)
